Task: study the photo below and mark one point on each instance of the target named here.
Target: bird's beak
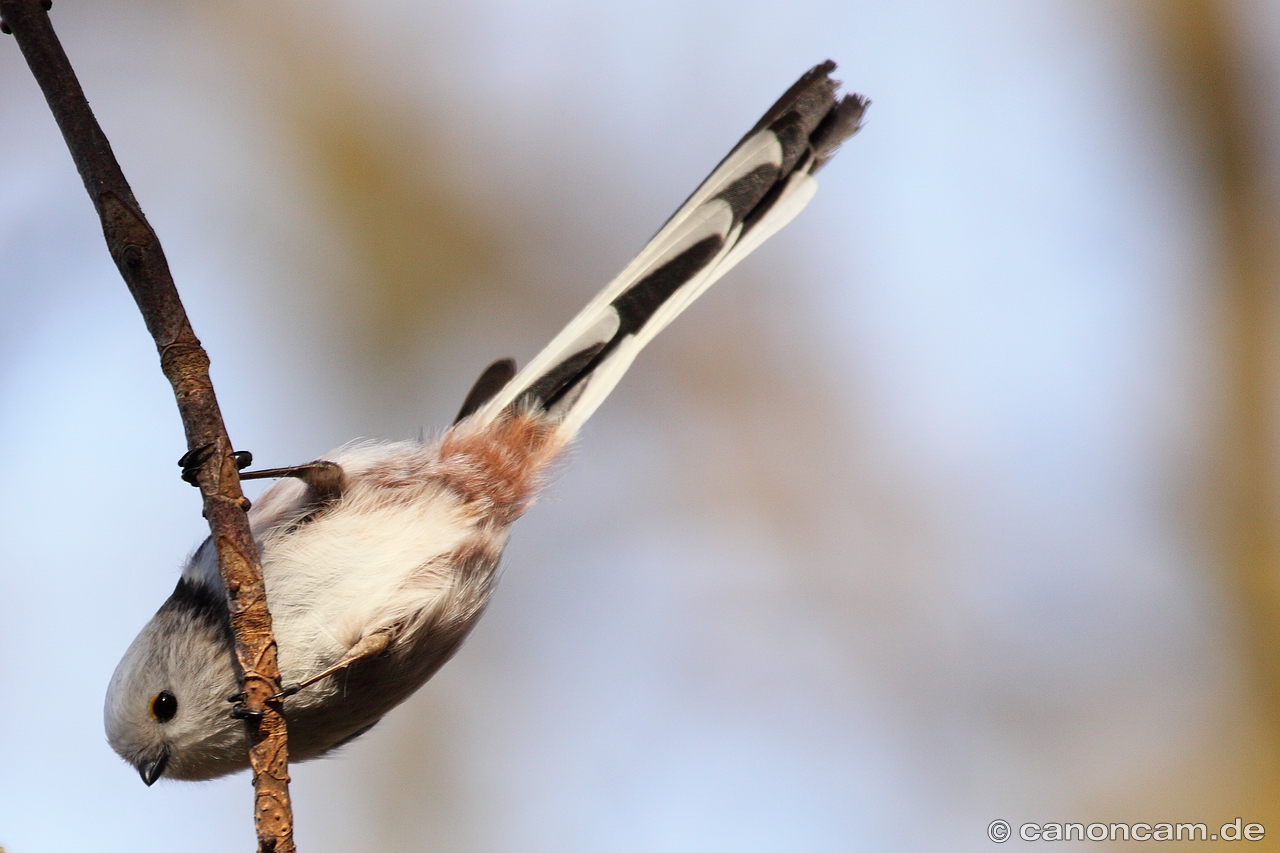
(153, 770)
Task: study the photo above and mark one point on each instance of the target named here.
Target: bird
(379, 557)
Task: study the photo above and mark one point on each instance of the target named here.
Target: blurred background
(955, 502)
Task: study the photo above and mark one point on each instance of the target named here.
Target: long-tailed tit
(379, 558)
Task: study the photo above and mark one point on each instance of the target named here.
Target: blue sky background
(900, 530)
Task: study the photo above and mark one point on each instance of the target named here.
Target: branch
(136, 250)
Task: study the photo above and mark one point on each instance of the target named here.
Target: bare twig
(136, 251)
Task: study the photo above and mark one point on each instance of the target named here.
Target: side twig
(136, 251)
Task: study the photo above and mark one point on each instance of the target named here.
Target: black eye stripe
(163, 706)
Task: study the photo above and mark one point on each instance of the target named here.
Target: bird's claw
(194, 458)
(291, 690)
(240, 712)
(192, 461)
(243, 712)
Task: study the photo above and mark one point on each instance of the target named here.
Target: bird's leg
(368, 647)
(324, 479)
(371, 646)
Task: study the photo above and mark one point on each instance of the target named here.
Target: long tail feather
(757, 189)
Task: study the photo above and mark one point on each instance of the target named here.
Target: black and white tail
(763, 183)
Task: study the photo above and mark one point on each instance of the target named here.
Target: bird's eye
(163, 706)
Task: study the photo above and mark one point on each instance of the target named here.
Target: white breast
(369, 562)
